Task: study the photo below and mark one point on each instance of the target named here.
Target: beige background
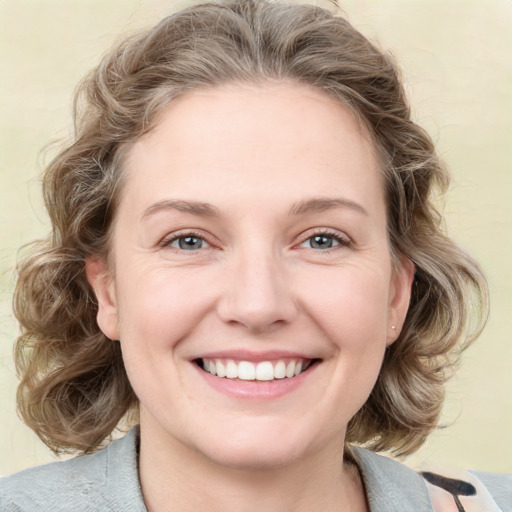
(456, 57)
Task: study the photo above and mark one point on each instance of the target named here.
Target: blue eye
(189, 243)
(323, 241)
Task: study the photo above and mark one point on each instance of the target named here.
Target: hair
(73, 387)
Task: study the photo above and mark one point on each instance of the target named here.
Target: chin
(257, 457)
(256, 448)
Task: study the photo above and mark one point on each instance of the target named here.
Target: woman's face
(250, 242)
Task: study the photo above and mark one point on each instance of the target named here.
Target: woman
(245, 256)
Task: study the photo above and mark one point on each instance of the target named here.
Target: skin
(257, 284)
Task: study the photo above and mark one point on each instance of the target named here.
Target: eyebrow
(193, 207)
(321, 204)
(313, 205)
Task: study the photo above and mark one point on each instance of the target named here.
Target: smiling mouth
(262, 371)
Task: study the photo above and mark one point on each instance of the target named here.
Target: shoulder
(499, 486)
(471, 491)
(389, 482)
(104, 481)
(60, 485)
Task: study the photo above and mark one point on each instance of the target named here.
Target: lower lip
(256, 390)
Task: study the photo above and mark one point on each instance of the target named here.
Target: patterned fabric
(458, 491)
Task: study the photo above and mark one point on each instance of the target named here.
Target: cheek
(349, 303)
(160, 307)
(351, 310)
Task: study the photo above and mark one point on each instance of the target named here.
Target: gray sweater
(107, 481)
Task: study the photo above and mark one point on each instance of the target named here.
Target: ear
(103, 285)
(399, 297)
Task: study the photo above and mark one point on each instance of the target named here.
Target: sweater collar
(389, 485)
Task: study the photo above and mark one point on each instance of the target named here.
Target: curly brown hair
(74, 389)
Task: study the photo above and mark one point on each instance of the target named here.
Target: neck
(175, 477)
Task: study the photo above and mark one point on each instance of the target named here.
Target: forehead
(283, 111)
(276, 140)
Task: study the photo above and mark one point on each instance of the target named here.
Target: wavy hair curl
(73, 388)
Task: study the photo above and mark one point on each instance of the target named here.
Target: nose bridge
(257, 291)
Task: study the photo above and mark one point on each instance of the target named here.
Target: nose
(257, 293)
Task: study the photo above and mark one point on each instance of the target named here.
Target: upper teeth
(245, 370)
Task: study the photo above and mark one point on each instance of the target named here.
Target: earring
(393, 327)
